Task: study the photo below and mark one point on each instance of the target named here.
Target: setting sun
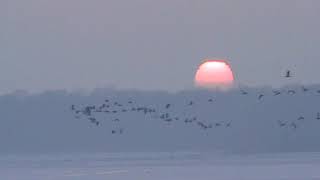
(214, 73)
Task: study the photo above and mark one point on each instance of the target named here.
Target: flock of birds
(165, 112)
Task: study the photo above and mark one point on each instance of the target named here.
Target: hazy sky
(144, 44)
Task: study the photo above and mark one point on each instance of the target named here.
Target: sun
(214, 73)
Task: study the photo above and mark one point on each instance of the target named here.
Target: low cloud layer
(261, 120)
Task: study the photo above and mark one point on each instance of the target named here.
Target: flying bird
(94, 120)
(288, 74)
(168, 120)
(228, 124)
(260, 96)
(243, 92)
(202, 125)
(276, 93)
(116, 120)
(282, 124)
(304, 89)
(102, 106)
(291, 91)
(293, 125)
(87, 111)
(167, 115)
(187, 120)
(121, 131)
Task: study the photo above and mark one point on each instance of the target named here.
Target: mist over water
(43, 123)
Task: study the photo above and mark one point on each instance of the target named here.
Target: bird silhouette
(260, 96)
(187, 120)
(102, 106)
(228, 124)
(243, 92)
(276, 93)
(87, 111)
(293, 125)
(94, 120)
(167, 115)
(202, 125)
(291, 91)
(288, 74)
(168, 120)
(304, 89)
(121, 131)
(282, 124)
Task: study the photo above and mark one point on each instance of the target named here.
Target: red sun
(214, 73)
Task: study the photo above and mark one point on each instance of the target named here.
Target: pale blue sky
(144, 44)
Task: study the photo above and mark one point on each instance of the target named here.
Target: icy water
(161, 166)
